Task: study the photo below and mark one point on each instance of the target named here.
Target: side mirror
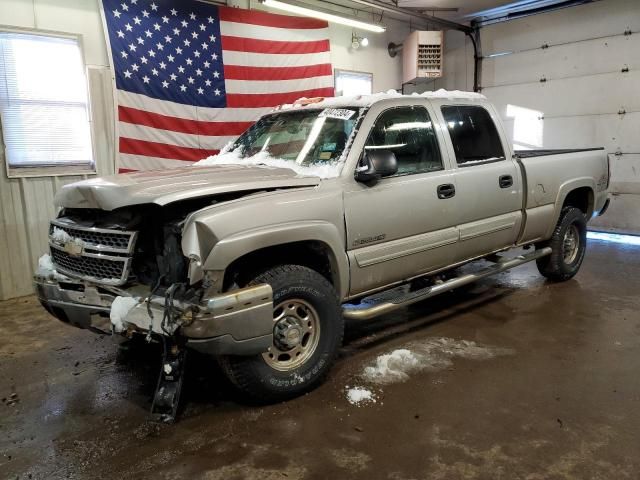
(376, 164)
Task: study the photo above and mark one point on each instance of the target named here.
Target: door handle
(446, 190)
(505, 181)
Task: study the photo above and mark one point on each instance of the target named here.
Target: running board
(365, 311)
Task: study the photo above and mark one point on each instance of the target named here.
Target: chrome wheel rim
(296, 331)
(571, 244)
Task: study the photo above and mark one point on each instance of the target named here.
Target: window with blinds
(44, 110)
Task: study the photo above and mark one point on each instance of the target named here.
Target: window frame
(448, 133)
(437, 141)
(338, 71)
(63, 169)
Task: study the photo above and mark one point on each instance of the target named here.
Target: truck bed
(551, 151)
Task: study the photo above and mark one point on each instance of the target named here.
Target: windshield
(310, 142)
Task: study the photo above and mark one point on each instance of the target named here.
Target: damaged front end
(124, 272)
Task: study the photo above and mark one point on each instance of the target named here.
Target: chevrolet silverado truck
(322, 210)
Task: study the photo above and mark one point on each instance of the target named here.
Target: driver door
(403, 225)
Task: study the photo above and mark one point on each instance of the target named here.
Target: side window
(409, 134)
(473, 134)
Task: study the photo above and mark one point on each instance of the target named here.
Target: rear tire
(308, 331)
(568, 244)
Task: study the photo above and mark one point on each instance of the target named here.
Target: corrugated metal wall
(26, 204)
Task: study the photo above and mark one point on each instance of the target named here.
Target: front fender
(242, 243)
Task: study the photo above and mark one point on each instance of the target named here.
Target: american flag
(192, 76)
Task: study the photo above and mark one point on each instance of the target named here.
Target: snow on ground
(328, 170)
(431, 354)
(120, 308)
(359, 395)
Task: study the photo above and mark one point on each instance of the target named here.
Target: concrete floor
(561, 403)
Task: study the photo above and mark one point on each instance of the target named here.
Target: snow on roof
(368, 100)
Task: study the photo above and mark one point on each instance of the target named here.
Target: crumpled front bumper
(234, 323)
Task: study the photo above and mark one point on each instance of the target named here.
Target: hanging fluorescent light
(301, 9)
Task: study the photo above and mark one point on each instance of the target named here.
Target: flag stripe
(279, 86)
(239, 44)
(256, 17)
(259, 32)
(257, 100)
(162, 150)
(237, 72)
(274, 60)
(182, 125)
(132, 162)
(204, 142)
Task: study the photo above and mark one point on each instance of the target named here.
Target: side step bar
(365, 311)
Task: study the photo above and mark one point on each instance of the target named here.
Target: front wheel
(307, 333)
(568, 245)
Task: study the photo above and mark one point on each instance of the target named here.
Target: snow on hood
(232, 157)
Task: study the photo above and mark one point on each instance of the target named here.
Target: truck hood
(167, 186)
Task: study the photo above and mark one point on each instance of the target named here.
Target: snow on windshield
(326, 170)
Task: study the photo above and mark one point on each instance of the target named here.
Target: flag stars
(210, 19)
(120, 34)
(167, 38)
(159, 46)
(152, 54)
(212, 38)
(192, 16)
(171, 58)
(206, 64)
(127, 74)
(203, 27)
(216, 74)
(173, 77)
(124, 54)
(217, 92)
(134, 2)
(154, 7)
(165, 19)
(145, 14)
(214, 56)
(186, 42)
(204, 46)
(196, 54)
(154, 72)
(132, 47)
(183, 88)
(200, 90)
(176, 31)
(143, 60)
(148, 33)
(181, 69)
(162, 65)
(137, 20)
(178, 50)
(194, 34)
(190, 80)
(140, 40)
(207, 82)
(116, 13)
(189, 61)
(128, 27)
(124, 6)
(135, 67)
(156, 26)
(145, 79)
(198, 72)
(165, 84)
(174, 12)
(184, 23)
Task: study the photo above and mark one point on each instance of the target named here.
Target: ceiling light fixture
(304, 10)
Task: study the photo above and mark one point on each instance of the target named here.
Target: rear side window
(473, 134)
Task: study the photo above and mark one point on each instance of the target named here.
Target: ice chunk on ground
(359, 395)
(430, 354)
(45, 266)
(232, 157)
(120, 308)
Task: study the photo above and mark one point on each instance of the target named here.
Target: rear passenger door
(488, 182)
(404, 224)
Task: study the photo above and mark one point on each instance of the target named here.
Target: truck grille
(90, 253)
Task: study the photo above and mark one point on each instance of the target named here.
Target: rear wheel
(568, 245)
(307, 333)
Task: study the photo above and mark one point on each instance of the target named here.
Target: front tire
(568, 244)
(308, 331)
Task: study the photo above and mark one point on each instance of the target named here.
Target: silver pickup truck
(322, 210)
